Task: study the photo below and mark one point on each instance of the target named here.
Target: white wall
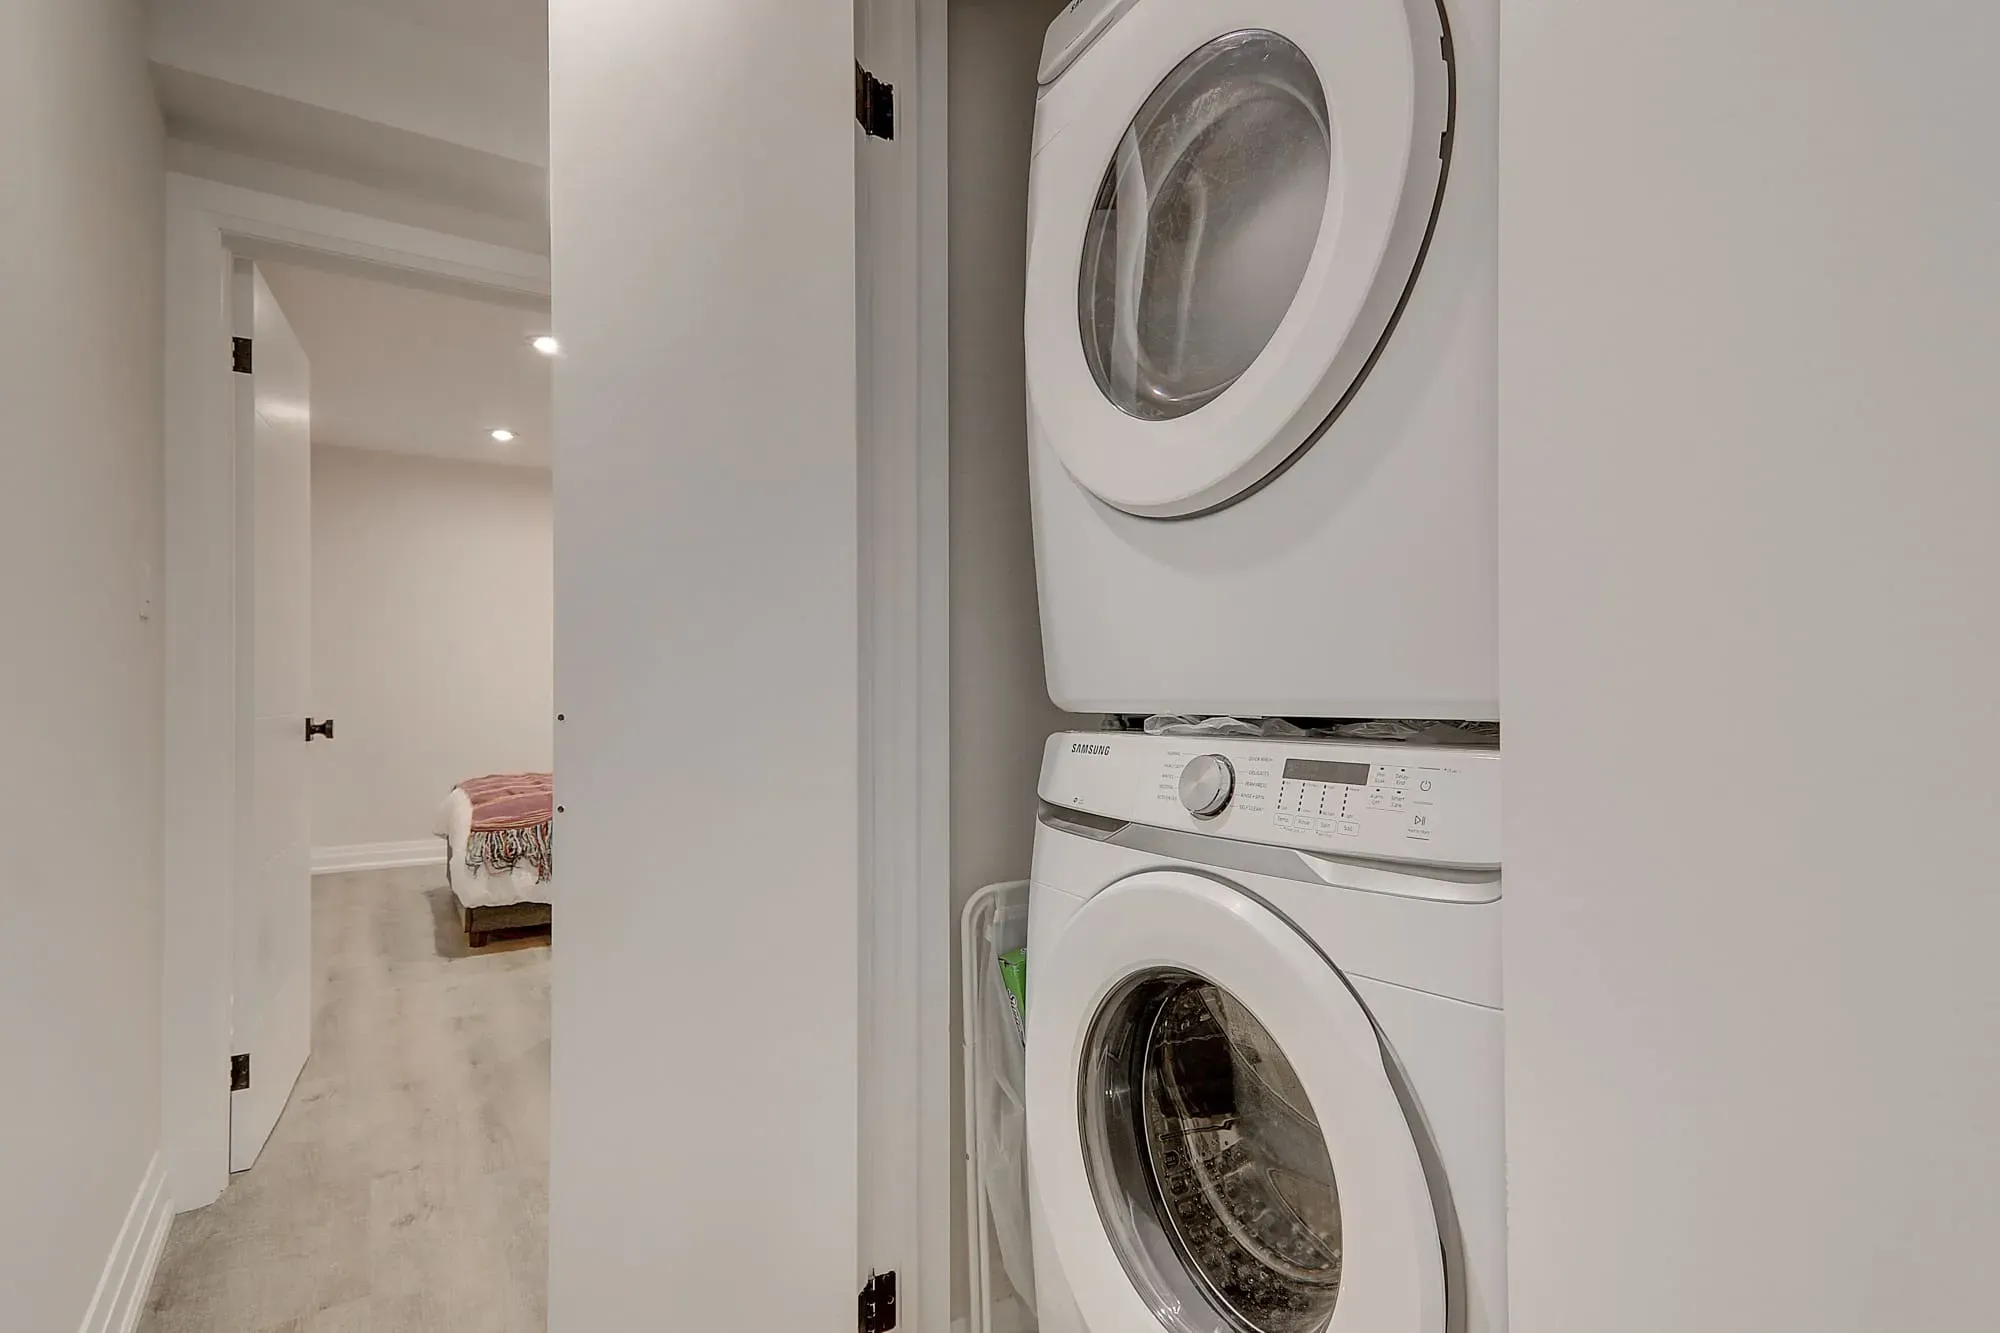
(705, 1020)
(80, 522)
(428, 678)
(477, 86)
(267, 177)
(1000, 709)
(1750, 314)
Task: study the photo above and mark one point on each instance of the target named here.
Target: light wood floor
(406, 1186)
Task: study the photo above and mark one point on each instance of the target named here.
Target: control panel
(1435, 805)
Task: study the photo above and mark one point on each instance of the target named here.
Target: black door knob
(321, 728)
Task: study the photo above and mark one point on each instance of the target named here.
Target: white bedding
(476, 888)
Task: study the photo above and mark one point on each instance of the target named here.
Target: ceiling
(413, 371)
(442, 101)
(241, 119)
(515, 28)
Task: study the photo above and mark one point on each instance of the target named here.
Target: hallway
(406, 1186)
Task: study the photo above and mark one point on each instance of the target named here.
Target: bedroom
(431, 596)
(428, 665)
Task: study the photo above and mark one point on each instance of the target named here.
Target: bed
(498, 829)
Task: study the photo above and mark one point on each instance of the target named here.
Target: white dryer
(1264, 1038)
(1260, 336)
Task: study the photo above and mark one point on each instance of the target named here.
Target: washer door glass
(1207, 1161)
(1204, 224)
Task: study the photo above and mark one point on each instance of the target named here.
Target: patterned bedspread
(512, 821)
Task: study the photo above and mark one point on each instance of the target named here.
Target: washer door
(1232, 205)
(1216, 1143)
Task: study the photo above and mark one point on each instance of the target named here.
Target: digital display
(1326, 770)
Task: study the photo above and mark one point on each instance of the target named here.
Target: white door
(1216, 1141)
(271, 920)
(1232, 203)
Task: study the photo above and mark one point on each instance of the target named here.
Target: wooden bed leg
(476, 939)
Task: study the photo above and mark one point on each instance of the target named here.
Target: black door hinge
(239, 355)
(874, 104)
(239, 1072)
(878, 1303)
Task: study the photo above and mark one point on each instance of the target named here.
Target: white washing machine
(1260, 334)
(1264, 1038)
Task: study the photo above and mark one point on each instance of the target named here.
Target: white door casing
(1387, 86)
(208, 225)
(1392, 1276)
(907, 929)
(271, 954)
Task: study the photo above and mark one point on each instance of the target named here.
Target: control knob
(1207, 783)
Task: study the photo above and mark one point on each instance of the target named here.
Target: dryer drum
(1204, 224)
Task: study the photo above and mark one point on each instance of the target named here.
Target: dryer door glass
(1204, 224)
(1206, 1158)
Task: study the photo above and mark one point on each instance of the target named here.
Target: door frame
(208, 226)
(908, 927)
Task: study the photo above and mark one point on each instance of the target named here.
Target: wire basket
(1001, 1260)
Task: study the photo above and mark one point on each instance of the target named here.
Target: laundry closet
(1001, 712)
(1258, 327)
(1204, 471)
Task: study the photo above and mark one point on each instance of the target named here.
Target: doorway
(211, 228)
(353, 368)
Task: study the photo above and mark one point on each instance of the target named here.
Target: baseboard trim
(128, 1274)
(378, 856)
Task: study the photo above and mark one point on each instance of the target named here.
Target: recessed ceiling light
(502, 435)
(546, 344)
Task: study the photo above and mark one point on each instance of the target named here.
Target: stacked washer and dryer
(1264, 1025)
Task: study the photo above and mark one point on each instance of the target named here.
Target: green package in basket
(1014, 976)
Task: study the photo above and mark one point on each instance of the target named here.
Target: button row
(1326, 828)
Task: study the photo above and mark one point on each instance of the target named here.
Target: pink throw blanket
(513, 817)
(510, 800)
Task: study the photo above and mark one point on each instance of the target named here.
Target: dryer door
(1216, 1142)
(1231, 205)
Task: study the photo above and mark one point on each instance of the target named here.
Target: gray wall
(80, 670)
(1000, 709)
(1750, 312)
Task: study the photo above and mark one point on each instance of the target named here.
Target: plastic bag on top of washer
(1413, 732)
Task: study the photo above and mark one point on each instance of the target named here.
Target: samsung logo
(1085, 747)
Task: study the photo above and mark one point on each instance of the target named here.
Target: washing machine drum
(1196, 1115)
(1232, 204)
(1217, 1143)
